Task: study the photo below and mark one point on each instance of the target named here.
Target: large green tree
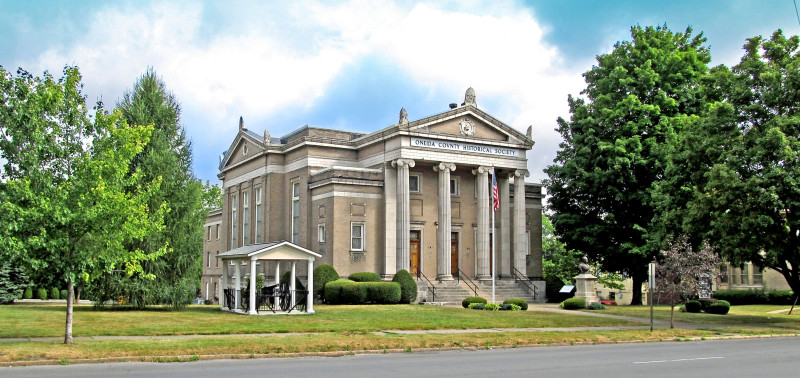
(616, 142)
(69, 204)
(743, 194)
(174, 277)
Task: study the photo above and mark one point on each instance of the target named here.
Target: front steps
(452, 293)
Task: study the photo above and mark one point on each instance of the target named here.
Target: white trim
(321, 233)
(419, 183)
(337, 193)
(245, 177)
(363, 236)
(212, 223)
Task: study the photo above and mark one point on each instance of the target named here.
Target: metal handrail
(518, 276)
(430, 285)
(471, 285)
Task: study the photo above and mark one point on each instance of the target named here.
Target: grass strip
(752, 314)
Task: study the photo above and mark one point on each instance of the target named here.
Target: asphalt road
(769, 357)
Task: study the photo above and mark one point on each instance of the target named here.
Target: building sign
(462, 147)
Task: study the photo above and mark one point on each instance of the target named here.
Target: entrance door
(454, 254)
(414, 253)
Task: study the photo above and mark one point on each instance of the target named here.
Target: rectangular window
(233, 221)
(757, 276)
(259, 216)
(208, 259)
(454, 187)
(357, 236)
(216, 263)
(414, 183)
(208, 232)
(245, 218)
(295, 212)
(723, 273)
(321, 233)
(217, 232)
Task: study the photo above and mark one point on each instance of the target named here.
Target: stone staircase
(452, 292)
(505, 289)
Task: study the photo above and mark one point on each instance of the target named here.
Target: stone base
(584, 288)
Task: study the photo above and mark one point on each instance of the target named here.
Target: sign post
(651, 268)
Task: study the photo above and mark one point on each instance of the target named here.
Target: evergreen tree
(616, 142)
(167, 157)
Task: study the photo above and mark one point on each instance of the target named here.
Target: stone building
(415, 195)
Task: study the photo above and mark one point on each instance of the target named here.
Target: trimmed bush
(596, 306)
(469, 300)
(28, 294)
(720, 307)
(491, 307)
(383, 292)
(41, 293)
(574, 304)
(694, 306)
(517, 301)
(64, 294)
(780, 297)
(345, 291)
(476, 306)
(742, 297)
(682, 308)
(408, 287)
(55, 294)
(287, 276)
(322, 275)
(365, 277)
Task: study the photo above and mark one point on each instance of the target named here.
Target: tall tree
(745, 195)
(616, 142)
(68, 201)
(166, 157)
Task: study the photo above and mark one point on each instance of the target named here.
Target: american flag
(495, 195)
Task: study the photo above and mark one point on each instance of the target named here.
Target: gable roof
(277, 250)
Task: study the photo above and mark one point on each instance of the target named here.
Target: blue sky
(353, 65)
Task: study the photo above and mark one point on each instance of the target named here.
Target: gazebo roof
(279, 250)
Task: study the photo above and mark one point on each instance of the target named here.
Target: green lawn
(33, 320)
(750, 314)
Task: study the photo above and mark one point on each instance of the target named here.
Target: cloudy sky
(353, 65)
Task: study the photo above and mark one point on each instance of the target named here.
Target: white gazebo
(281, 251)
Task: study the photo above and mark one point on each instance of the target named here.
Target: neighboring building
(749, 276)
(414, 196)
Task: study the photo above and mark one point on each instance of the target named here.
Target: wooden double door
(415, 248)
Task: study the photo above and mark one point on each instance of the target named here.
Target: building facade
(416, 195)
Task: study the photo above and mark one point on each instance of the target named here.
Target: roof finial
(241, 123)
(529, 133)
(469, 97)
(403, 117)
(267, 138)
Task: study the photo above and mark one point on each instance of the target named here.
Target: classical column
(520, 237)
(390, 236)
(238, 293)
(505, 226)
(443, 233)
(224, 285)
(403, 213)
(482, 249)
(253, 288)
(277, 272)
(292, 287)
(310, 284)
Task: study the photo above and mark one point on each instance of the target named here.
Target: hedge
(322, 275)
(365, 277)
(694, 306)
(573, 304)
(523, 305)
(720, 307)
(470, 300)
(745, 297)
(408, 287)
(344, 291)
(596, 306)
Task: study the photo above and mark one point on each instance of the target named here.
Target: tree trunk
(70, 298)
(671, 316)
(636, 290)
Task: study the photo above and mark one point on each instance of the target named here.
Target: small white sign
(462, 147)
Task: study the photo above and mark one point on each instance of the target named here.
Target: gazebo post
(224, 285)
(310, 296)
(277, 272)
(253, 287)
(238, 292)
(291, 284)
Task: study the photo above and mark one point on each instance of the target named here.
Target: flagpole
(491, 232)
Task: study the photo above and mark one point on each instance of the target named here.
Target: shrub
(682, 308)
(491, 307)
(55, 294)
(720, 307)
(64, 294)
(704, 303)
(13, 282)
(365, 277)
(288, 275)
(574, 304)
(742, 297)
(476, 306)
(382, 292)
(344, 291)
(693, 306)
(780, 297)
(517, 301)
(28, 294)
(41, 293)
(408, 287)
(515, 307)
(509, 307)
(322, 275)
(596, 306)
(469, 300)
